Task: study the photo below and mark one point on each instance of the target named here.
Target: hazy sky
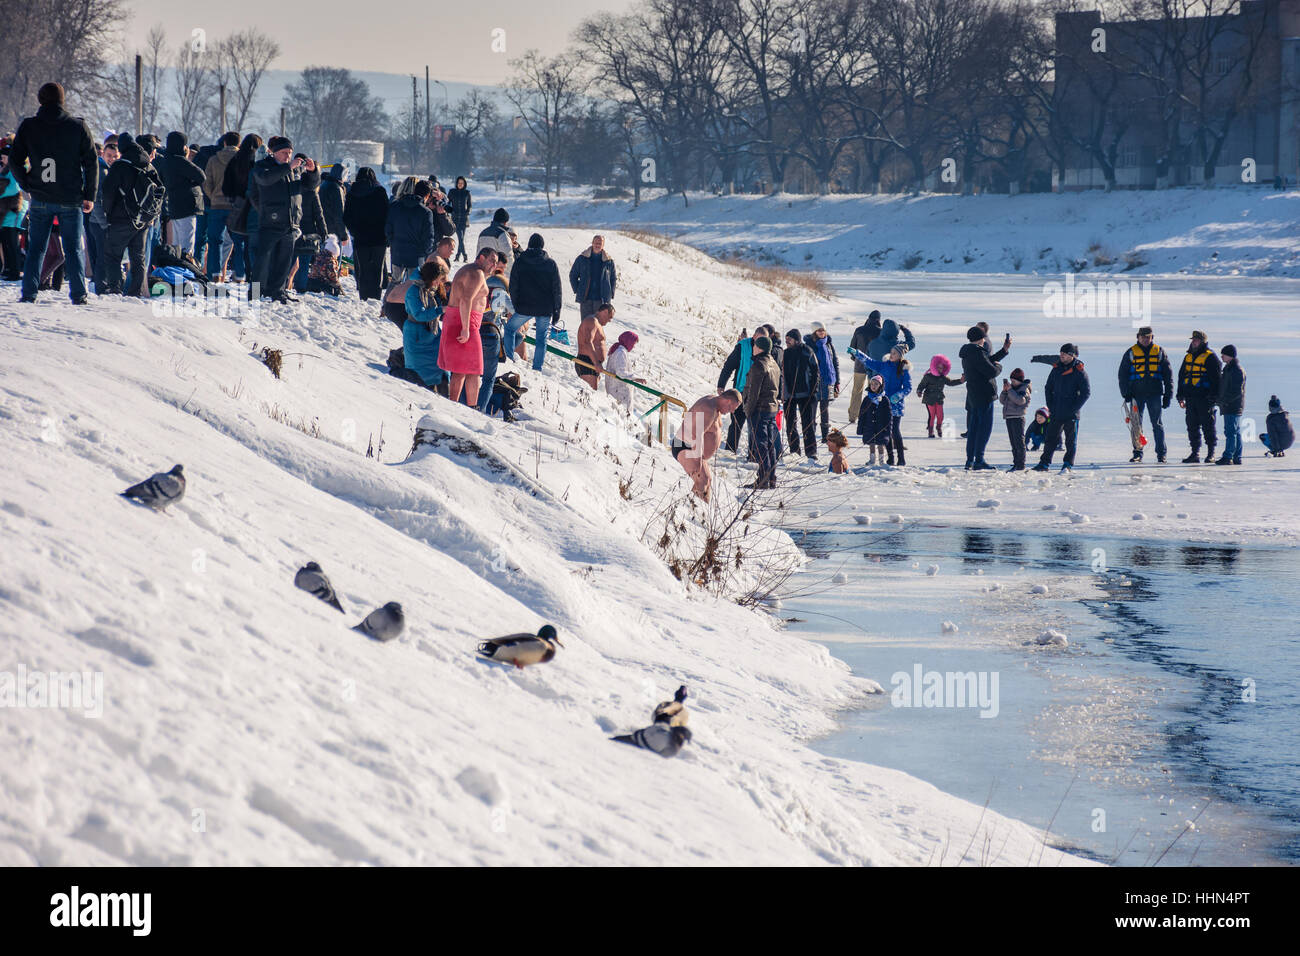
(392, 36)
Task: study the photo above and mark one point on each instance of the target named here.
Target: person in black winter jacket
(1147, 383)
(863, 336)
(981, 371)
(133, 198)
(275, 188)
(593, 277)
(1279, 435)
(1232, 403)
(1066, 391)
(52, 158)
(462, 201)
(1198, 391)
(801, 384)
(333, 189)
(538, 297)
(184, 183)
(410, 231)
(365, 211)
(497, 236)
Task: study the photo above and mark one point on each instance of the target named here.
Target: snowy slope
(244, 723)
(1233, 230)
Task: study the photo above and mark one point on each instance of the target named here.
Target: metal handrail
(664, 398)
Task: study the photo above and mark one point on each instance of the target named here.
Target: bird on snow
(312, 579)
(664, 740)
(160, 490)
(522, 649)
(383, 623)
(673, 712)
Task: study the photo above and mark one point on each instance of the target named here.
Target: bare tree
(242, 59)
(67, 41)
(196, 87)
(328, 105)
(546, 93)
(474, 114)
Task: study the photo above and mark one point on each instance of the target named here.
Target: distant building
(1153, 107)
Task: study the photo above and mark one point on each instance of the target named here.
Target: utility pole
(281, 120)
(224, 127)
(139, 94)
(427, 126)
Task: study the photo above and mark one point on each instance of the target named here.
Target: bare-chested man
(592, 347)
(700, 436)
(461, 350)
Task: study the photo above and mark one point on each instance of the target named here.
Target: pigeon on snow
(522, 649)
(383, 623)
(160, 490)
(664, 740)
(312, 579)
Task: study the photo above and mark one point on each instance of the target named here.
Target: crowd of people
(112, 214)
(763, 382)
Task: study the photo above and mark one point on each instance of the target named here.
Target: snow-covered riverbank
(243, 722)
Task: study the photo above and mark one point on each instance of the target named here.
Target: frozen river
(1177, 696)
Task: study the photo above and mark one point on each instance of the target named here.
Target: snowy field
(1229, 231)
(242, 722)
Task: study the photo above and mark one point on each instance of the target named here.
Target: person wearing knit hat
(1037, 430)
(53, 160)
(875, 421)
(981, 370)
(1015, 398)
(762, 399)
(896, 373)
(1232, 404)
(828, 371)
(800, 380)
(1198, 394)
(1066, 391)
(1278, 434)
(1146, 383)
(276, 186)
(619, 362)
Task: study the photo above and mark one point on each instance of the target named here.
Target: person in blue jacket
(897, 375)
(1066, 391)
(828, 368)
(422, 331)
(891, 334)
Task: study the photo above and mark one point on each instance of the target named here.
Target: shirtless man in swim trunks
(469, 295)
(592, 347)
(700, 436)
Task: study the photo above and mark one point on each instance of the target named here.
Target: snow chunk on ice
(896, 519)
(814, 514)
(840, 578)
(1077, 517)
(932, 570)
(1051, 507)
(987, 503)
(1181, 514)
(1053, 638)
(948, 627)
(862, 519)
(1139, 516)
(1039, 589)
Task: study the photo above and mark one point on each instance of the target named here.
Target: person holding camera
(275, 188)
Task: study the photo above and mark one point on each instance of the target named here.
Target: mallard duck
(522, 649)
(673, 712)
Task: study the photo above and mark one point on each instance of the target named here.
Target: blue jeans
(491, 359)
(40, 224)
(539, 335)
(1151, 405)
(304, 266)
(95, 249)
(216, 226)
(514, 336)
(1232, 436)
(979, 429)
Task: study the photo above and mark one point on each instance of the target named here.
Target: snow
(1053, 638)
(235, 699)
(1233, 230)
(948, 627)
